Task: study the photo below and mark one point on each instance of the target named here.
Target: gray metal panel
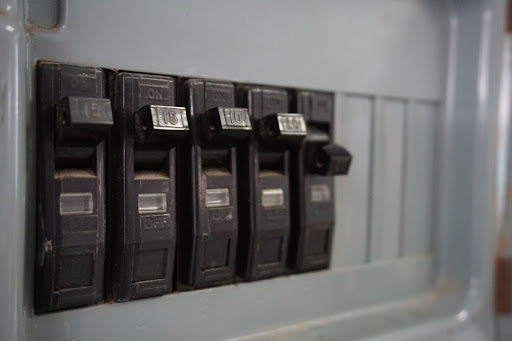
(269, 42)
(387, 179)
(13, 167)
(237, 310)
(398, 50)
(42, 13)
(355, 116)
(193, 34)
(374, 323)
(467, 218)
(420, 152)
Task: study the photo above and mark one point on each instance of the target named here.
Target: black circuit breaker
(313, 168)
(208, 231)
(74, 117)
(264, 182)
(142, 185)
(235, 184)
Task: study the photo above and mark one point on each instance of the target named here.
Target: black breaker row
(149, 184)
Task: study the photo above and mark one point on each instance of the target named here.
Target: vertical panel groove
(419, 177)
(405, 157)
(387, 179)
(355, 114)
(376, 106)
(435, 176)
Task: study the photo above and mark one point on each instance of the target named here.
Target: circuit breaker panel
(149, 184)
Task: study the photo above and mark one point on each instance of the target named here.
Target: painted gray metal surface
(236, 311)
(466, 216)
(390, 63)
(421, 147)
(387, 168)
(355, 132)
(13, 171)
(296, 43)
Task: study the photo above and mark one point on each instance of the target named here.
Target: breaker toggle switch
(73, 121)
(313, 167)
(162, 124)
(142, 197)
(79, 113)
(264, 181)
(285, 129)
(208, 233)
(226, 126)
(332, 160)
(324, 158)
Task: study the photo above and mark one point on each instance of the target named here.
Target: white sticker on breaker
(217, 197)
(272, 197)
(152, 203)
(75, 203)
(320, 193)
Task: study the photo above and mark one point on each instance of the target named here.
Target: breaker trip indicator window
(320, 193)
(76, 203)
(272, 197)
(217, 197)
(152, 203)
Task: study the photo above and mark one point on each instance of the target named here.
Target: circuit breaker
(142, 185)
(264, 180)
(74, 118)
(209, 232)
(151, 183)
(313, 168)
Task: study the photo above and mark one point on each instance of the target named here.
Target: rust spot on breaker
(503, 286)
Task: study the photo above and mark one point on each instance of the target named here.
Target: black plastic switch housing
(142, 185)
(208, 232)
(264, 183)
(149, 184)
(74, 119)
(313, 191)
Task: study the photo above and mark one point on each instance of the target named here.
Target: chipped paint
(445, 288)
(34, 29)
